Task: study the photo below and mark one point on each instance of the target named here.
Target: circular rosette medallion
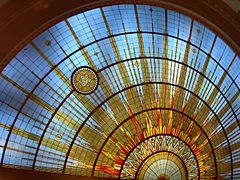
(85, 80)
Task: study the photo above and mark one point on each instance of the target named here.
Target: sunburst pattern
(162, 137)
(163, 78)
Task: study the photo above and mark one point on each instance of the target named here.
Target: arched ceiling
(120, 90)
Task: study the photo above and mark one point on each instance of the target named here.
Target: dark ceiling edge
(29, 22)
(23, 174)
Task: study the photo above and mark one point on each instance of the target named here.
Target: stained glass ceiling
(123, 91)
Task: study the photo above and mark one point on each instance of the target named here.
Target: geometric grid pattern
(144, 56)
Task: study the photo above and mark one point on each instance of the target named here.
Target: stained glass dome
(123, 91)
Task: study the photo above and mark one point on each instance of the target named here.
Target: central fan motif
(162, 147)
(164, 166)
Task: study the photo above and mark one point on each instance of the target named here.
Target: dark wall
(16, 174)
